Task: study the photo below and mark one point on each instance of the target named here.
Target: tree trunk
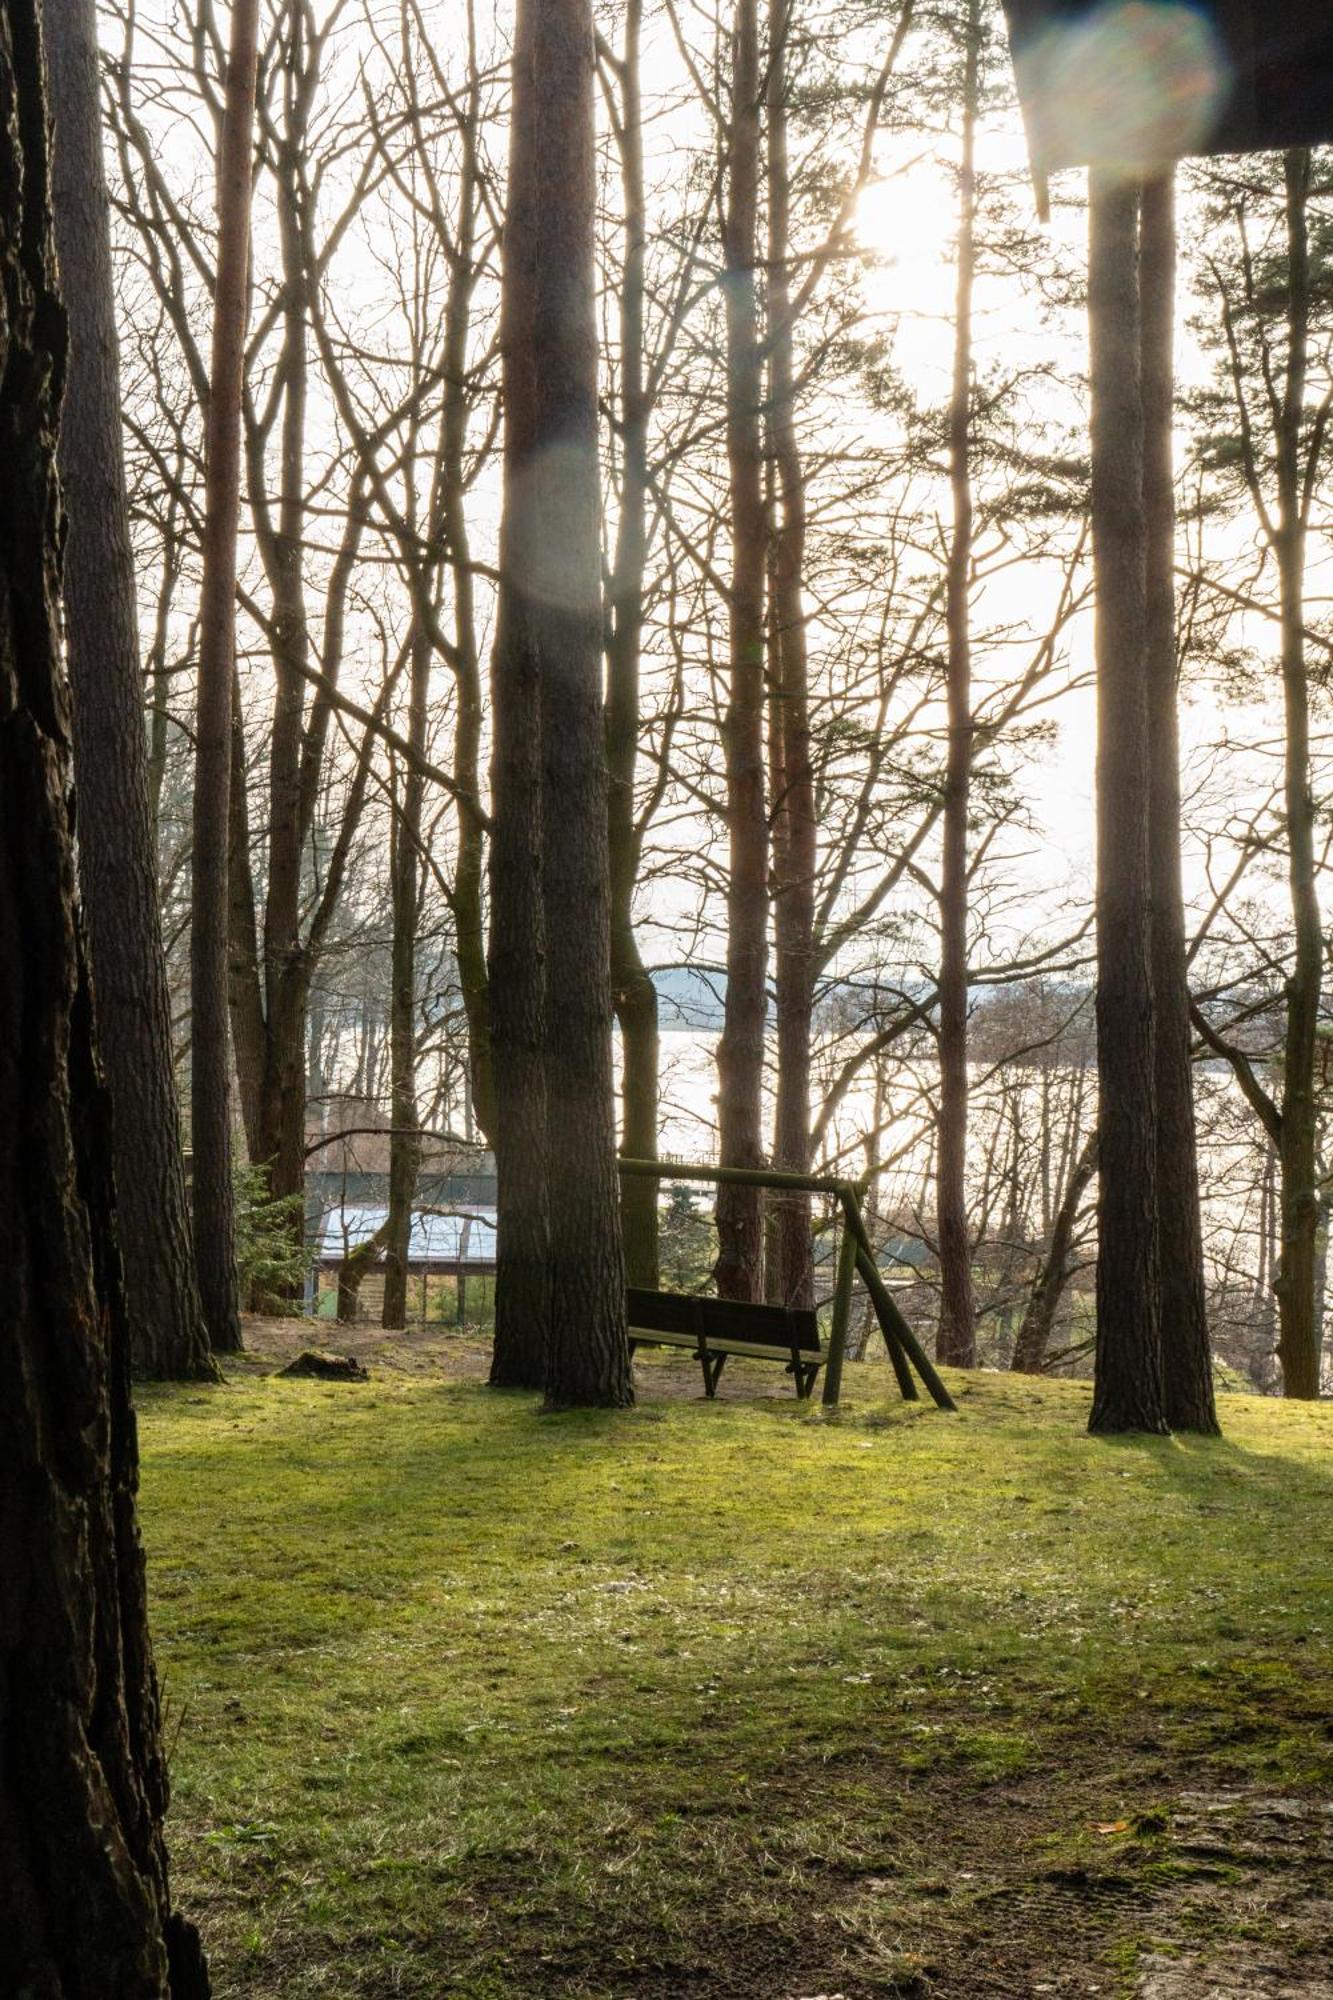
(210, 1108)
(85, 1909)
(245, 994)
(469, 869)
(353, 1269)
(957, 1339)
(587, 1361)
(275, 955)
(1128, 1388)
(517, 956)
(405, 875)
(795, 850)
(740, 1053)
(560, 1314)
(116, 862)
(1321, 1280)
(1034, 1332)
(1298, 1342)
(285, 965)
(634, 993)
(1187, 1364)
(1262, 1358)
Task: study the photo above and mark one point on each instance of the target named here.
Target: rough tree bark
(957, 1339)
(1127, 1393)
(517, 946)
(633, 989)
(210, 1070)
(561, 1264)
(1187, 1368)
(740, 1052)
(117, 875)
(795, 833)
(85, 1911)
(587, 1358)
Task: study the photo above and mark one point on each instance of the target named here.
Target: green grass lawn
(732, 1699)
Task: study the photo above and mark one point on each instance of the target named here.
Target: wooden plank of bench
(812, 1357)
(757, 1350)
(684, 1312)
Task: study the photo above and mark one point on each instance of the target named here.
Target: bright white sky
(907, 216)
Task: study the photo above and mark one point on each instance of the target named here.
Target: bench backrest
(725, 1319)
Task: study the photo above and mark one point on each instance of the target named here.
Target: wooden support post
(892, 1323)
(856, 1255)
(888, 1316)
(842, 1310)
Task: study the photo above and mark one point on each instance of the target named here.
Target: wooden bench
(715, 1328)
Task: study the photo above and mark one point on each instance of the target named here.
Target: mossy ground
(732, 1699)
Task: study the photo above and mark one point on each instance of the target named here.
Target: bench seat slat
(725, 1319)
(657, 1337)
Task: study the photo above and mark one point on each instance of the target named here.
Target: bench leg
(713, 1365)
(806, 1377)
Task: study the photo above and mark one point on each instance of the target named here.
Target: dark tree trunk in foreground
(587, 1353)
(1187, 1368)
(634, 992)
(1127, 1394)
(210, 1109)
(517, 982)
(517, 969)
(740, 1052)
(957, 1339)
(561, 1266)
(84, 1899)
(795, 851)
(116, 868)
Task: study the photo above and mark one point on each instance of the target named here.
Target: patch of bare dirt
(1231, 1900)
(1260, 1890)
(464, 1355)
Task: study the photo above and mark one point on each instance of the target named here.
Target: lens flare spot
(555, 490)
(1128, 88)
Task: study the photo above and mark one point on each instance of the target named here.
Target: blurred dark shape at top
(1135, 84)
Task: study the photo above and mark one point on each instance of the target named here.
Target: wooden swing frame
(855, 1257)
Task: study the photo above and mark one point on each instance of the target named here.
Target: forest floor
(738, 1701)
